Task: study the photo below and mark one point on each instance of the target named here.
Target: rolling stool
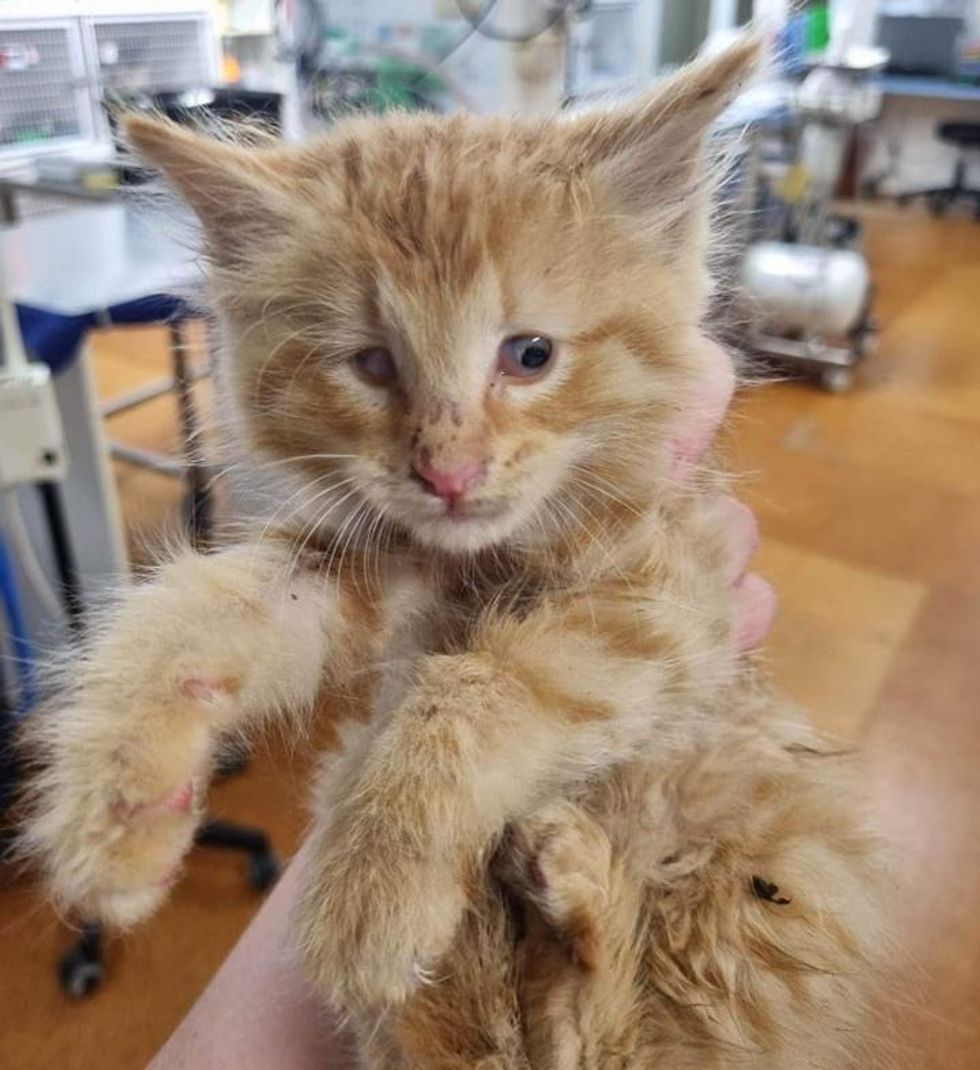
(965, 136)
(81, 969)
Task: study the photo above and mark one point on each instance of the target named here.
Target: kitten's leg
(467, 1017)
(559, 859)
(482, 739)
(578, 963)
(213, 643)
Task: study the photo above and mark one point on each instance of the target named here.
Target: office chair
(81, 969)
(966, 137)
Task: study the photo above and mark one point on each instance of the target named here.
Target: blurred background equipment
(920, 43)
(807, 287)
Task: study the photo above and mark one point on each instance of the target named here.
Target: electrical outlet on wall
(32, 446)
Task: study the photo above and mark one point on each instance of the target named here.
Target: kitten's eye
(525, 355)
(375, 365)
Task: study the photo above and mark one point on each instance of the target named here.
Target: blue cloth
(54, 338)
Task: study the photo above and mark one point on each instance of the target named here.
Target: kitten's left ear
(238, 191)
(649, 155)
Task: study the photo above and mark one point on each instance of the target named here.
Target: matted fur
(566, 826)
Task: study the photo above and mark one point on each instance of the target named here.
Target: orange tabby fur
(566, 826)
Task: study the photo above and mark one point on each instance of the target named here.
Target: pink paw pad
(209, 689)
(180, 801)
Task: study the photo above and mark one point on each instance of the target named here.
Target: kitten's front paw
(373, 927)
(120, 797)
(117, 863)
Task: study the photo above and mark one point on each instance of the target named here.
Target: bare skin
(237, 1023)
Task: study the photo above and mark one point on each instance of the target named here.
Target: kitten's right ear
(650, 154)
(237, 191)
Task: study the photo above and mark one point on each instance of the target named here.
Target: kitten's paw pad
(182, 800)
(210, 690)
(560, 860)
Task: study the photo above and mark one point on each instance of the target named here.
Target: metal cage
(45, 87)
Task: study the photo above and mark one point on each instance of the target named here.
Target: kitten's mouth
(460, 512)
(464, 514)
(463, 525)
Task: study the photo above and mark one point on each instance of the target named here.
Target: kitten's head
(475, 328)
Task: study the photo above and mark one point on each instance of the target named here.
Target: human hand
(754, 598)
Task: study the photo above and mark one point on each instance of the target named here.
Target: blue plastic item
(24, 657)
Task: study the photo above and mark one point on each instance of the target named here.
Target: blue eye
(525, 355)
(375, 365)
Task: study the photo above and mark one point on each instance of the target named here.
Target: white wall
(904, 141)
(858, 15)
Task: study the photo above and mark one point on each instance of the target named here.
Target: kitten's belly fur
(711, 905)
(712, 908)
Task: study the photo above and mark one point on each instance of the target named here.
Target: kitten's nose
(450, 484)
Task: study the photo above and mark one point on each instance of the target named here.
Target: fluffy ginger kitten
(566, 826)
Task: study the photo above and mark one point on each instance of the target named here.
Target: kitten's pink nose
(450, 484)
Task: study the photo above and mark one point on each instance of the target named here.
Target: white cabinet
(59, 65)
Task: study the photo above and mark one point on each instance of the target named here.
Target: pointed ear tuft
(236, 190)
(649, 154)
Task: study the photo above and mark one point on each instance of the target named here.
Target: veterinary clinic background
(849, 297)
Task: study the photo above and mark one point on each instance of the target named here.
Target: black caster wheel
(263, 871)
(80, 974)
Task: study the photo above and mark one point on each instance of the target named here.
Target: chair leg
(263, 865)
(54, 511)
(82, 969)
(198, 499)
